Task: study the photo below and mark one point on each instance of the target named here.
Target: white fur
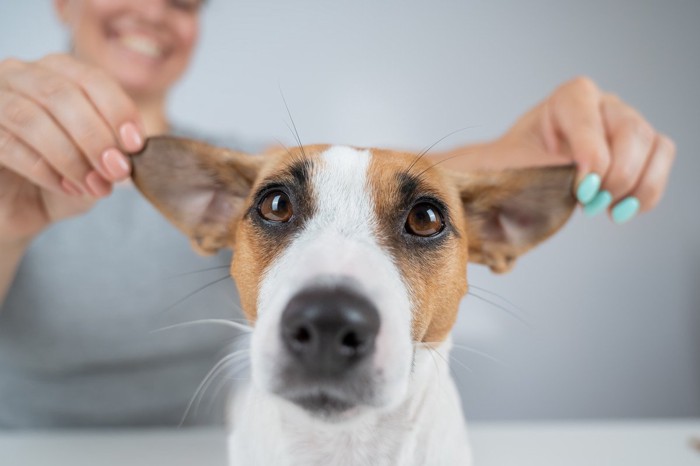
(417, 419)
(338, 241)
(425, 429)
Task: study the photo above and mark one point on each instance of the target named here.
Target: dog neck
(427, 427)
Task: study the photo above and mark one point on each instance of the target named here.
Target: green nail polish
(625, 210)
(588, 188)
(600, 202)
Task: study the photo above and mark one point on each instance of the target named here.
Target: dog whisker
(472, 350)
(284, 146)
(461, 154)
(207, 269)
(291, 130)
(221, 370)
(201, 288)
(505, 300)
(241, 362)
(222, 383)
(422, 153)
(226, 322)
(510, 312)
(432, 349)
(295, 133)
(458, 381)
(430, 352)
(460, 363)
(479, 353)
(200, 387)
(467, 152)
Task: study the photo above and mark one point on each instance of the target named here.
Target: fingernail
(69, 188)
(588, 188)
(116, 164)
(131, 137)
(625, 210)
(98, 186)
(600, 202)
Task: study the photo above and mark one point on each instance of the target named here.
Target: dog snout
(329, 330)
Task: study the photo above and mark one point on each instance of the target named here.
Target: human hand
(623, 162)
(64, 128)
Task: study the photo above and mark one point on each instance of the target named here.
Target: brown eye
(276, 207)
(424, 220)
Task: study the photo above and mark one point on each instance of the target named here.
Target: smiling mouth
(141, 45)
(136, 42)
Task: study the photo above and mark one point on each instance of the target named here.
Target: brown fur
(493, 217)
(436, 278)
(194, 168)
(536, 201)
(254, 252)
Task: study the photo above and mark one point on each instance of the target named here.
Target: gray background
(613, 313)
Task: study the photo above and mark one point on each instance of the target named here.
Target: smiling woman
(81, 288)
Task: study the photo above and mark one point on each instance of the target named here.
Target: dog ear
(200, 188)
(508, 212)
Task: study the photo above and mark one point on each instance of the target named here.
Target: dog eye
(424, 220)
(276, 207)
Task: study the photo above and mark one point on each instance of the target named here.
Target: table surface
(639, 443)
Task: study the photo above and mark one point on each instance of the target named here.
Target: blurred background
(602, 321)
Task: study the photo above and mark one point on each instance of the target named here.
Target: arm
(491, 155)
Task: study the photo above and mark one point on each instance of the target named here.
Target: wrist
(14, 247)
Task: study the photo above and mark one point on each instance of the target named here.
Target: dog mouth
(323, 404)
(329, 401)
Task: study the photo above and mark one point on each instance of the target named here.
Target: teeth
(142, 45)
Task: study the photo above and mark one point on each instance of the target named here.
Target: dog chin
(337, 402)
(330, 404)
(327, 407)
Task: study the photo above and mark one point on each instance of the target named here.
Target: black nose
(328, 330)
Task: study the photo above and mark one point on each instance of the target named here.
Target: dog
(350, 265)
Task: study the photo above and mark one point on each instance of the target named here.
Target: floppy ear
(508, 212)
(200, 188)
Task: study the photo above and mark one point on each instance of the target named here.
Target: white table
(495, 444)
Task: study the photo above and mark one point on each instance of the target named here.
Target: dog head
(345, 258)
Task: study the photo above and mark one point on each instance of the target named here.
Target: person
(88, 269)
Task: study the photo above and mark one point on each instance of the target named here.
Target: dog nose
(328, 330)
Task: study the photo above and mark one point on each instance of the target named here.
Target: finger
(24, 161)
(631, 140)
(30, 123)
(70, 107)
(576, 117)
(110, 100)
(653, 181)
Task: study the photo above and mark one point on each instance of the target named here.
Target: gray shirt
(77, 341)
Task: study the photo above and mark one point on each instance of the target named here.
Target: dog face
(345, 258)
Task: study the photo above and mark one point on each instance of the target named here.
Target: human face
(145, 44)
